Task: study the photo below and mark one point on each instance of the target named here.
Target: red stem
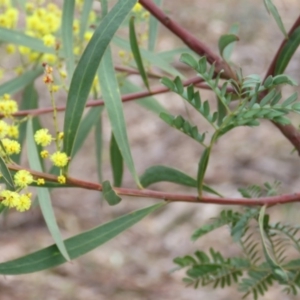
(125, 98)
(172, 197)
(190, 40)
(289, 131)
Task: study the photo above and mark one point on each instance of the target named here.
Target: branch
(171, 197)
(125, 98)
(190, 40)
(289, 131)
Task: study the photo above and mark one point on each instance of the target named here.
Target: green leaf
(271, 8)
(99, 146)
(268, 252)
(169, 54)
(44, 195)
(113, 104)
(86, 9)
(149, 102)
(29, 101)
(153, 29)
(234, 29)
(202, 169)
(202, 65)
(16, 84)
(189, 60)
(162, 173)
(116, 161)
(283, 79)
(225, 40)
(6, 175)
(86, 69)
(136, 52)
(151, 57)
(290, 100)
(265, 100)
(287, 52)
(67, 35)
(85, 127)
(168, 83)
(21, 39)
(78, 245)
(109, 194)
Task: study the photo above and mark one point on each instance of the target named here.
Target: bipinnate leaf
(44, 195)
(77, 245)
(86, 69)
(109, 194)
(225, 40)
(136, 52)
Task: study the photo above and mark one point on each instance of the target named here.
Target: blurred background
(137, 264)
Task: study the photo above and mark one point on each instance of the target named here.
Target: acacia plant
(68, 49)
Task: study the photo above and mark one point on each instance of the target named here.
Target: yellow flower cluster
(59, 159)
(8, 106)
(15, 200)
(9, 18)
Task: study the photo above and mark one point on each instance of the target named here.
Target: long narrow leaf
(78, 245)
(152, 58)
(87, 67)
(85, 127)
(113, 104)
(271, 8)
(153, 29)
(163, 173)
(135, 49)
(29, 101)
(6, 175)
(116, 160)
(86, 9)
(44, 195)
(16, 84)
(287, 52)
(67, 34)
(202, 169)
(99, 147)
(149, 103)
(21, 39)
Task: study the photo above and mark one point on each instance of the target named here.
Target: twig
(130, 71)
(171, 197)
(125, 98)
(190, 40)
(289, 131)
